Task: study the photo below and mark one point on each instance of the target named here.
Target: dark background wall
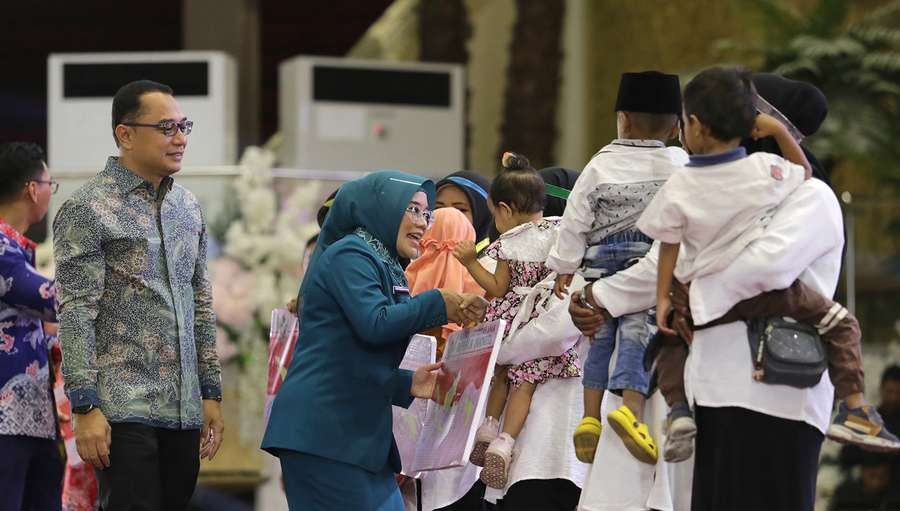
(30, 31)
(328, 28)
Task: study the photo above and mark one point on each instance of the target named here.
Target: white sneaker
(680, 434)
(496, 461)
(486, 434)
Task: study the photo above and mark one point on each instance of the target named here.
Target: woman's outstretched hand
(464, 309)
(452, 301)
(473, 308)
(424, 381)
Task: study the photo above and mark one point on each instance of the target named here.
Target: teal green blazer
(356, 323)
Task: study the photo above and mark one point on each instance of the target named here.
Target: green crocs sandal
(634, 434)
(586, 436)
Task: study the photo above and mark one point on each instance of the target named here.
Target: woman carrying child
(517, 201)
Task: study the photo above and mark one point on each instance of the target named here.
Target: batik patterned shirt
(27, 299)
(136, 322)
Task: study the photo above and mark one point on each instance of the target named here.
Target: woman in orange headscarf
(437, 268)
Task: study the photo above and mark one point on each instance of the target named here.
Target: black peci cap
(649, 92)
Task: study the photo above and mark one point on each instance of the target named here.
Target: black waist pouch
(786, 352)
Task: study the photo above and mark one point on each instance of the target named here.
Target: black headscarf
(802, 103)
(476, 187)
(563, 178)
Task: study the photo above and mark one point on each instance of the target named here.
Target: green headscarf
(372, 207)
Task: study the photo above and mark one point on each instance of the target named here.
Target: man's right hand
(93, 437)
(588, 321)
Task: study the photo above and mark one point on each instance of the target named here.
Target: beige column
(492, 22)
(572, 143)
(232, 26)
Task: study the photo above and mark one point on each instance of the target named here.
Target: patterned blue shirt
(26, 300)
(137, 328)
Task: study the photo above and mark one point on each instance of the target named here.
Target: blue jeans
(633, 331)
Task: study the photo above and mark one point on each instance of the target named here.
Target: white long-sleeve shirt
(717, 205)
(610, 194)
(803, 240)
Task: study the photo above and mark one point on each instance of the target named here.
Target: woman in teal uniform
(331, 423)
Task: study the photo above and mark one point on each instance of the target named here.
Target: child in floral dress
(517, 202)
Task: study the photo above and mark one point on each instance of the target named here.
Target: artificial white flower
(258, 272)
(259, 210)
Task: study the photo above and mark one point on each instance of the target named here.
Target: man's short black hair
(722, 98)
(126, 105)
(20, 162)
(891, 373)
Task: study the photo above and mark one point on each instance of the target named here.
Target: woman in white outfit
(546, 475)
(803, 240)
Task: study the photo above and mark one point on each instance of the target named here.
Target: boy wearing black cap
(598, 238)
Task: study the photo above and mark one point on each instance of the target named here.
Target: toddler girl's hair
(722, 98)
(518, 185)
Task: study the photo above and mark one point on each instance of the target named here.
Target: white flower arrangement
(259, 271)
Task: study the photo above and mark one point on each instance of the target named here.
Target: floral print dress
(525, 249)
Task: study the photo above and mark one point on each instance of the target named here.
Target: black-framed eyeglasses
(54, 185)
(168, 128)
(416, 213)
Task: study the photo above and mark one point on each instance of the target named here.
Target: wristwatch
(583, 297)
(83, 409)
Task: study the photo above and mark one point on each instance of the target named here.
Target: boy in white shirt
(598, 238)
(713, 210)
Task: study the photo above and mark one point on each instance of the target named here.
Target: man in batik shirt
(31, 472)
(136, 322)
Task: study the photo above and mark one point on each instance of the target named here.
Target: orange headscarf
(436, 267)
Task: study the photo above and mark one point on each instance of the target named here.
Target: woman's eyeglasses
(418, 214)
